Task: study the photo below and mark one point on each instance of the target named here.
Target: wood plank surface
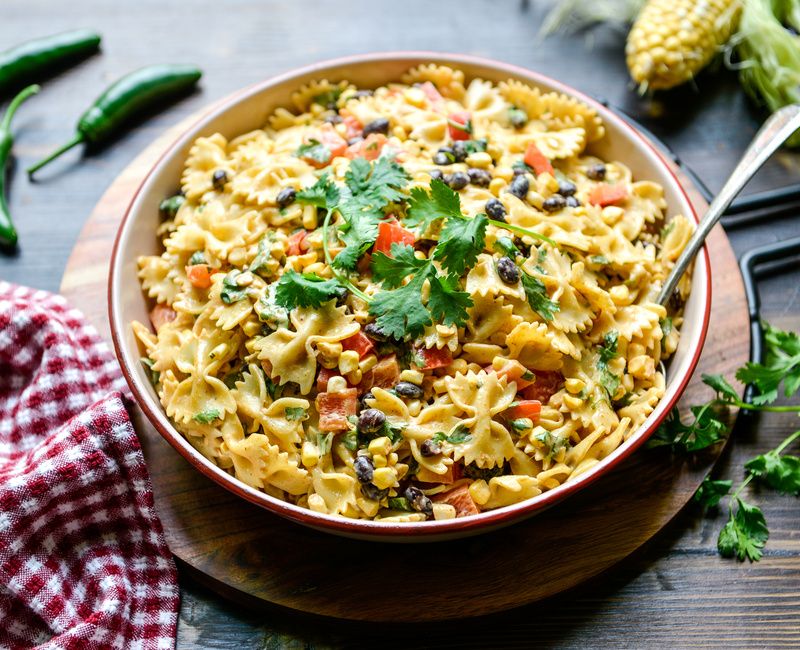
(675, 591)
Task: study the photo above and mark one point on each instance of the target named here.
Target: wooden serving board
(255, 557)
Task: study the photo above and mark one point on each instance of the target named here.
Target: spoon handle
(774, 132)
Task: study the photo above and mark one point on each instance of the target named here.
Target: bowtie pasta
(416, 302)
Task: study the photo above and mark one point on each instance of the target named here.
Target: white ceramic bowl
(247, 110)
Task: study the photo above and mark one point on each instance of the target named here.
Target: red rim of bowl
(365, 527)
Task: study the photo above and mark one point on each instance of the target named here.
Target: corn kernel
(393, 458)
(310, 454)
(317, 503)
(310, 217)
(496, 185)
(367, 363)
(329, 348)
(571, 402)
(384, 477)
(379, 460)
(439, 386)
(414, 408)
(413, 376)
(442, 511)
(415, 97)
(479, 159)
(401, 469)
(505, 173)
(348, 361)
(368, 507)
(611, 214)
(328, 362)
(380, 445)
(620, 294)
(337, 384)
(480, 492)
(458, 365)
(354, 378)
(574, 385)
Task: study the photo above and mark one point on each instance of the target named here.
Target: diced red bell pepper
(391, 233)
(536, 159)
(513, 371)
(525, 408)
(370, 148)
(460, 499)
(546, 384)
(330, 137)
(162, 314)
(297, 243)
(335, 408)
(324, 377)
(384, 375)
(359, 342)
(435, 358)
(605, 194)
(199, 275)
(353, 126)
(459, 125)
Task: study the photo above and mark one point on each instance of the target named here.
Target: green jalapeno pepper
(128, 97)
(31, 60)
(8, 234)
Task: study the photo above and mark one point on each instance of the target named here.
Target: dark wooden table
(676, 591)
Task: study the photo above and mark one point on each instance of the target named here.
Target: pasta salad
(417, 302)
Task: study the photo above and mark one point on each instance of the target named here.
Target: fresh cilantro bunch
(746, 533)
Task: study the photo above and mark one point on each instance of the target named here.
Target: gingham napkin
(83, 561)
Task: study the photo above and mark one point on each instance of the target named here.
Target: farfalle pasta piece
(449, 82)
(507, 490)
(560, 144)
(321, 92)
(206, 156)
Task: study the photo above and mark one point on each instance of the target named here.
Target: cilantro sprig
(605, 353)
(305, 290)
(782, 365)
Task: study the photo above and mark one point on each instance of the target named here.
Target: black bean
(371, 421)
(596, 172)
(362, 399)
(333, 118)
(495, 209)
(519, 186)
(418, 500)
(572, 202)
(379, 125)
(430, 448)
(566, 188)
(442, 159)
(364, 469)
(457, 180)
(286, 197)
(219, 178)
(519, 118)
(375, 332)
(519, 171)
(479, 177)
(460, 151)
(507, 270)
(436, 174)
(341, 295)
(373, 492)
(358, 94)
(554, 203)
(409, 390)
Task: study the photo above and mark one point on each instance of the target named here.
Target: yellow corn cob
(672, 40)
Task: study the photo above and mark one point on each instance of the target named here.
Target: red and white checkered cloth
(83, 561)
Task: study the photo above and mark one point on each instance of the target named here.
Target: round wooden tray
(253, 556)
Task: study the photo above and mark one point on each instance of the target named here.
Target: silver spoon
(774, 132)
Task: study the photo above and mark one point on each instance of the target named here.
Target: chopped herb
(537, 297)
(198, 257)
(666, 230)
(782, 365)
(710, 492)
(232, 292)
(295, 413)
(522, 166)
(400, 503)
(323, 194)
(273, 390)
(329, 98)
(666, 325)
(518, 117)
(232, 377)
(350, 440)
(505, 246)
(153, 375)
(305, 290)
(270, 312)
(599, 259)
(207, 416)
(459, 435)
(745, 534)
(521, 424)
(475, 146)
(314, 150)
(466, 127)
(169, 207)
(263, 256)
(606, 353)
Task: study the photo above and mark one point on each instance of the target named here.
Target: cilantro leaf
(745, 534)
(706, 430)
(314, 150)
(295, 413)
(725, 391)
(506, 246)
(782, 365)
(169, 207)
(153, 375)
(460, 242)
(323, 194)
(232, 292)
(400, 313)
(400, 503)
(710, 492)
(781, 473)
(606, 353)
(207, 416)
(537, 297)
(198, 257)
(425, 208)
(457, 436)
(329, 98)
(391, 271)
(305, 290)
(263, 255)
(447, 302)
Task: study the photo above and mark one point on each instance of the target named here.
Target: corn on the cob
(672, 40)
